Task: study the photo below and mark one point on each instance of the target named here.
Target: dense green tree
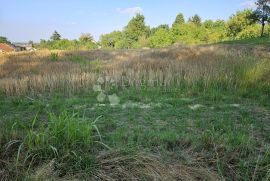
(179, 20)
(136, 27)
(110, 40)
(239, 22)
(161, 38)
(263, 13)
(215, 30)
(163, 26)
(196, 19)
(251, 31)
(4, 39)
(55, 36)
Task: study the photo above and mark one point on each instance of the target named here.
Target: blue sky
(24, 20)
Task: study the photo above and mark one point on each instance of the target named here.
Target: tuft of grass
(67, 139)
(54, 57)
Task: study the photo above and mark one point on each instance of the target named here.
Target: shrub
(251, 31)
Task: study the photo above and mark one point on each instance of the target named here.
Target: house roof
(23, 44)
(6, 47)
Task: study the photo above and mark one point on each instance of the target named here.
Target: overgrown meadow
(177, 113)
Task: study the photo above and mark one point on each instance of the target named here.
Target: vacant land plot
(180, 113)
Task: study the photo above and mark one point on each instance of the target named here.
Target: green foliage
(144, 42)
(4, 39)
(196, 19)
(66, 44)
(215, 30)
(263, 41)
(161, 38)
(179, 20)
(110, 40)
(262, 13)
(239, 22)
(164, 26)
(66, 139)
(138, 35)
(86, 37)
(251, 31)
(55, 36)
(54, 56)
(135, 29)
(190, 33)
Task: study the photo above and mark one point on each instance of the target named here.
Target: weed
(54, 57)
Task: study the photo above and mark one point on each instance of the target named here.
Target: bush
(251, 31)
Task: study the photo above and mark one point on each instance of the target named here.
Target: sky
(24, 20)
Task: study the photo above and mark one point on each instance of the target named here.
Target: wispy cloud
(131, 11)
(71, 23)
(248, 4)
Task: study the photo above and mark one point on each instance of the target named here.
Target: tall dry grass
(203, 67)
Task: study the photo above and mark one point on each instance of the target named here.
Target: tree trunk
(262, 32)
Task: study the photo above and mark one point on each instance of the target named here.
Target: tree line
(241, 25)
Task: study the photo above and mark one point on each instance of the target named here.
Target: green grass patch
(264, 41)
(227, 134)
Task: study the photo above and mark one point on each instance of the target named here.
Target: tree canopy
(196, 19)
(136, 34)
(55, 36)
(263, 13)
(179, 20)
(4, 39)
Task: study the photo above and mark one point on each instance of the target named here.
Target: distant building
(4, 47)
(16, 47)
(24, 46)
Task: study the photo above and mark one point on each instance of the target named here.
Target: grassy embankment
(185, 113)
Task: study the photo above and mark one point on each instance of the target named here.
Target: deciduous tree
(196, 19)
(263, 13)
(55, 36)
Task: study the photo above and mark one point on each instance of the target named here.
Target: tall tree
(135, 29)
(263, 13)
(196, 19)
(239, 21)
(179, 20)
(55, 36)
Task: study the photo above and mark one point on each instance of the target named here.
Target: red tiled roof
(6, 48)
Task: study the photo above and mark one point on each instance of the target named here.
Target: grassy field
(179, 113)
(264, 41)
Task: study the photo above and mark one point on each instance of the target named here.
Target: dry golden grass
(35, 72)
(117, 165)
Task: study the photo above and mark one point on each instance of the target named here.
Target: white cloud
(248, 4)
(132, 10)
(71, 23)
